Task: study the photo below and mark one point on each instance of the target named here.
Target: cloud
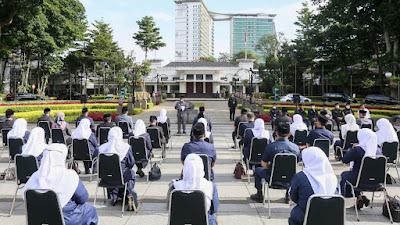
(162, 16)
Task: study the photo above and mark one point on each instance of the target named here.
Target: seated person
(348, 109)
(116, 145)
(362, 108)
(362, 119)
(281, 145)
(209, 137)
(337, 115)
(396, 122)
(317, 178)
(202, 114)
(64, 126)
(257, 132)
(327, 113)
(153, 123)
(350, 125)
(273, 115)
(124, 117)
(72, 194)
(9, 120)
(199, 146)
(367, 146)
(297, 124)
(85, 115)
(249, 124)
(285, 112)
(300, 110)
(83, 131)
(19, 130)
(47, 117)
(107, 123)
(193, 179)
(239, 119)
(320, 132)
(164, 119)
(312, 116)
(140, 131)
(386, 133)
(36, 144)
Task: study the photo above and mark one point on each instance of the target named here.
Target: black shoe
(178, 132)
(233, 146)
(140, 173)
(287, 198)
(94, 172)
(365, 201)
(257, 198)
(87, 171)
(114, 202)
(184, 132)
(360, 204)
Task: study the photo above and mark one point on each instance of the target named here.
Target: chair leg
(148, 172)
(247, 171)
(104, 195)
(372, 200)
(397, 170)
(13, 202)
(123, 200)
(269, 200)
(95, 195)
(355, 202)
(263, 188)
(387, 205)
(7, 172)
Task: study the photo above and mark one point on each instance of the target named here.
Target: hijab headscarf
(368, 141)
(18, 130)
(205, 123)
(163, 116)
(60, 120)
(83, 131)
(193, 178)
(115, 143)
(319, 171)
(140, 128)
(386, 132)
(297, 124)
(36, 143)
(53, 175)
(259, 129)
(351, 125)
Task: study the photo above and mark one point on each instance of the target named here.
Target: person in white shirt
(362, 107)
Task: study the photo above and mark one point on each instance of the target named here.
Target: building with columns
(202, 79)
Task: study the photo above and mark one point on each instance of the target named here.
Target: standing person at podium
(181, 112)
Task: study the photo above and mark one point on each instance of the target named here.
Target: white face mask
(325, 108)
(274, 107)
(337, 107)
(347, 107)
(313, 107)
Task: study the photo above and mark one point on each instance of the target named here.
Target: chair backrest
(372, 170)
(187, 207)
(154, 137)
(109, 167)
(124, 127)
(139, 149)
(240, 128)
(4, 133)
(351, 138)
(284, 168)
(165, 128)
(46, 127)
(300, 137)
(14, 145)
(103, 135)
(81, 150)
(398, 135)
(25, 166)
(365, 125)
(245, 131)
(325, 209)
(323, 144)
(328, 127)
(390, 151)
(257, 148)
(42, 207)
(57, 136)
(207, 165)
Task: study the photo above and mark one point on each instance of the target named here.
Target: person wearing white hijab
(208, 133)
(83, 131)
(351, 125)
(317, 177)
(72, 194)
(163, 117)
(19, 130)
(141, 131)
(36, 144)
(386, 133)
(297, 124)
(367, 146)
(116, 145)
(193, 179)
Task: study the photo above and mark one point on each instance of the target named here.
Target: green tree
(241, 55)
(207, 59)
(141, 72)
(224, 57)
(148, 37)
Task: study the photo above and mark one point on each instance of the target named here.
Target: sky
(123, 14)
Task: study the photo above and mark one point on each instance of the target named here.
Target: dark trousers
(232, 113)
(260, 173)
(234, 134)
(181, 122)
(272, 124)
(338, 122)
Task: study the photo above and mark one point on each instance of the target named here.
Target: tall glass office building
(255, 26)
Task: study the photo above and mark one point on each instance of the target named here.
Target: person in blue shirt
(141, 131)
(281, 145)
(116, 145)
(85, 115)
(72, 194)
(317, 177)
(83, 131)
(199, 146)
(124, 117)
(209, 137)
(193, 179)
(19, 130)
(273, 115)
(367, 146)
(320, 132)
(249, 124)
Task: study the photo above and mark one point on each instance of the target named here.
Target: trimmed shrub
(150, 105)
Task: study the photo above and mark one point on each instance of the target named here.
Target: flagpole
(245, 43)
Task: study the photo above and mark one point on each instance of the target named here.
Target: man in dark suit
(232, 104)
(107, 123)
(181, 112)
(46, 117)
(153, 123)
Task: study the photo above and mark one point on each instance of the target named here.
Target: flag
(245, 38)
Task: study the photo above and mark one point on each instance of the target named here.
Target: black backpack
(155, 173)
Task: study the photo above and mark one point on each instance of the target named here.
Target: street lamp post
(251, 73)
(133, 84)
(235, 79)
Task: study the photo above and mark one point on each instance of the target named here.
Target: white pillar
(194, 87)
(204, 87)
(243, 89)
(168, 88)
(155, 88)
(230, 88)
(257, 88)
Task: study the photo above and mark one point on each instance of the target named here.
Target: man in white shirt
(362, 107)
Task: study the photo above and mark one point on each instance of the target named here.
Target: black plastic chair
(300, 137)
(124, 127)
(42, 207)
(4, 133)
(139, 151)
(328, 127)
(372, 172)
(368, 126)
(103, 135)
(398, 135)
(25, 166)
(156, 141)
(57, 136)
(283, 170)
(257, 148)
(81, 152)
(237, 133)
(46, 127)
(390, 151)
(325, 209)
(167, 133)
(187, 207)
(110, 176)
(207, 166)
(14, 145)
(351, 138)
(323, 144)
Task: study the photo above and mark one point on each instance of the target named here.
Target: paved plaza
(235, 204)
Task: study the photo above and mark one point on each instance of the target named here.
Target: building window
(164, 78)
(175, 78)
(199, 76)
(209, 77)
(189, 77)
